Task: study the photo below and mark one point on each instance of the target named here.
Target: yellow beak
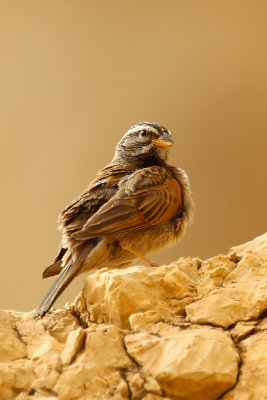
(164, 140)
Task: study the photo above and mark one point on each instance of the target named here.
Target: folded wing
(147, 198)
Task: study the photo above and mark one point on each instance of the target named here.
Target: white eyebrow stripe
(141, 127)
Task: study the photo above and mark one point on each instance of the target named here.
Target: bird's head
(144, 141)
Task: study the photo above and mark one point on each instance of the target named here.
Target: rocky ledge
(191, 330)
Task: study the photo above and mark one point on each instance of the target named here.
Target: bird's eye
(143, 133)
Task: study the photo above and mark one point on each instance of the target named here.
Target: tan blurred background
(75, 75)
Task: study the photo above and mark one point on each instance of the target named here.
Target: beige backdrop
(76, 74)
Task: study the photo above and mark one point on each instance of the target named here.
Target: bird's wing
(83, 207)
(146, 198)
(100, 191)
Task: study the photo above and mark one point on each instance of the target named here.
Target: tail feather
(56, 267)
(74, 263)
(65, 277)
(53, 269)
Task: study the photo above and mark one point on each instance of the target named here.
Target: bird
(136, 204)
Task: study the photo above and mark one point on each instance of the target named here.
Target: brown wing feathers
(139, 203)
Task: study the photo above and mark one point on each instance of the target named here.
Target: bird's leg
(127, 248)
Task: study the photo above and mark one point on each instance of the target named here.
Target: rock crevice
(191, 330)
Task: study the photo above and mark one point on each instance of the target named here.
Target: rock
(60, 324)
(11, 345)
(256, 246)
(151, 385)
(15, 377)
(95, 371)
(215, 309)
(242, 329)
(154, 397)
(242, 295)
(191, 365)
(112, 296)
(190, 330)
(73, 345)
(212, 273)
(252, 384)
(136, 384)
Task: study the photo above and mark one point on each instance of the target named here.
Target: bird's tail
(74, 263)
(65, 277)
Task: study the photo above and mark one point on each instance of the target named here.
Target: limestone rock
(96, 370)
(242, 329)
(191, 330)
(12, 347)
(191, 365)
(60, 324)
(112, 296)
(252, 384)
(212, 273)
(242, 295)
(256, 246)
(73, 345)
(15, 377)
